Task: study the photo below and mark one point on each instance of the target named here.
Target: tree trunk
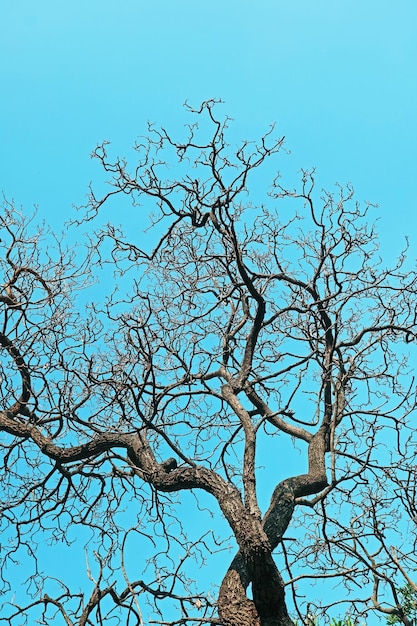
(235, 608)
(268, 606)
(255, 565)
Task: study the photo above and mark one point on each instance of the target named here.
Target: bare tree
(250, 323)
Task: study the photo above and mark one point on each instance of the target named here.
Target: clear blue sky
(339, 77)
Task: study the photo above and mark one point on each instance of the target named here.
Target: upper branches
(239, 317)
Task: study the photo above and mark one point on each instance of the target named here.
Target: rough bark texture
(268, 606)
(256, 566)
(235, 608)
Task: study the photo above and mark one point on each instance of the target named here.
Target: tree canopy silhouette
(248, 327)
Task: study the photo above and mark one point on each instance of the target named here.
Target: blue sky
(339, 78)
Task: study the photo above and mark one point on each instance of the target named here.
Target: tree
(247, 325)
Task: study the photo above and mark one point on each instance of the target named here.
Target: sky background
(339, 79)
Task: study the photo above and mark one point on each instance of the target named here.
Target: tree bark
(257, 566)
(268, 606)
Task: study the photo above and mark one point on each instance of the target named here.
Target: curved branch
(20, 405)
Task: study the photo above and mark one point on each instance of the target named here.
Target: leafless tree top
(243, 320)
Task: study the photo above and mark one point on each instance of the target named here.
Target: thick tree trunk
(235, 608)
(254, 563)
(268, 593)
(268, 606)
